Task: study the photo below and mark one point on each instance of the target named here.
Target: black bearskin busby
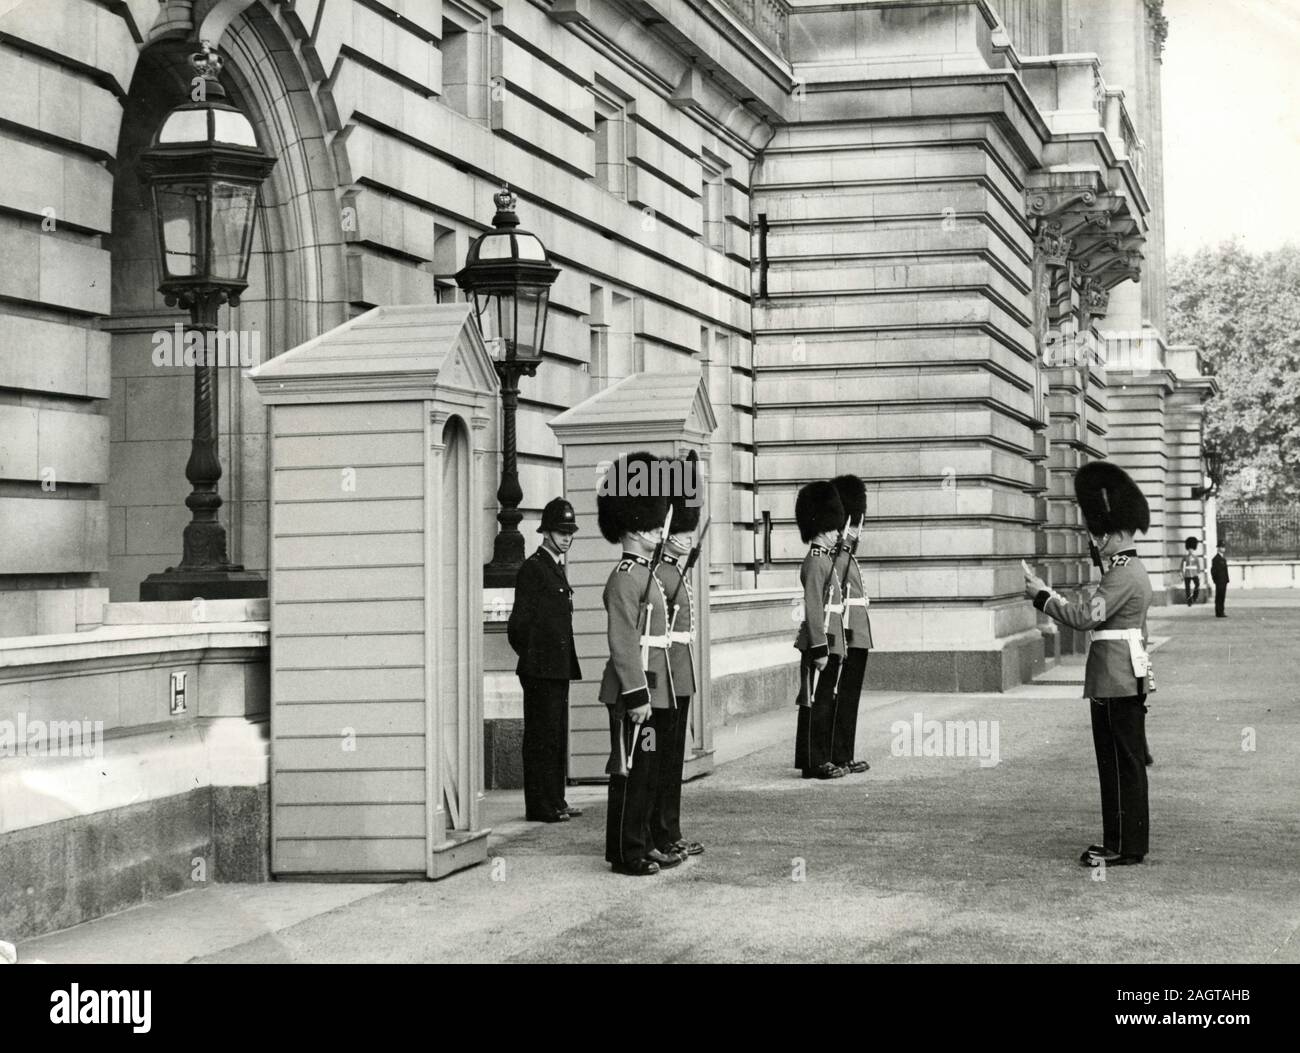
(1191, 544)
(686, 506)
(1110, 500)
(623, 504)
(853, 496)
(818, 509)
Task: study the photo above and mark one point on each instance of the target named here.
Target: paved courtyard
(923, 859)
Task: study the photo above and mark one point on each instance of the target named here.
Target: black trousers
(666, 807)
(1119, 735)
(816, 726)
(546, 745)
(631, 795)
(845, 730)
(1192, 589)
(1219, 590)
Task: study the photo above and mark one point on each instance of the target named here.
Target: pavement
(926, 858)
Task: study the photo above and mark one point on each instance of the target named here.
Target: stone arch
(297, 290)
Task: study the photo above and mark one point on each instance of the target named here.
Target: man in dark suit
(1219, 575)
(541, 632)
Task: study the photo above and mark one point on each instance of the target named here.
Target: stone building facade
(917, 240)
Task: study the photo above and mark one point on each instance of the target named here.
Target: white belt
(857, 601)
(656, 641)
(834, 608)
(1136, 651)
(687, 637)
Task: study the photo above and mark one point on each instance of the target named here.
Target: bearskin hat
(686, 507)
(853, 496)
(619, 512)
(818, 509)
(1110, 500)
(1191, 544)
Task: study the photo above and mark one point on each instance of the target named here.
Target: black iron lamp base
(221, 583)
(500, 575)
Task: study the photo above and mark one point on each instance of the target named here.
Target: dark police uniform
(666, 809)
(541, 632)
(819, 636)
(626, 684)
(1116, 679)
(1219, 575)
(857, 641)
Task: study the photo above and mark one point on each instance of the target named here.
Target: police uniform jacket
(858, 626)
(626, 684)
(681, 618)
(1219, 570)
(541, 622)
(1120, 602)
(820, 586)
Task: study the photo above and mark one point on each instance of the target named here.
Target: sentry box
(668, 415)
(377, 432)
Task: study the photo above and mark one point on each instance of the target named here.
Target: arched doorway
(296, 291)
(455, 735)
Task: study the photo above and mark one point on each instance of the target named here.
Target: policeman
(637, 685)
(857, 628)
(1118, 675)
(820, 515)
(666, 809)
(541, 632)
(1219, 575)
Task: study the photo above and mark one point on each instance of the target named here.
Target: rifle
(691, 559)
(648, 616)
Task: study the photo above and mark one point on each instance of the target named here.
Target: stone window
(465, 60)
(713, 201)
(610, 137)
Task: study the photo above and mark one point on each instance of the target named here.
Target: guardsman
(1192, 570)
(674, 576)
(637, 686)
(857, 627)
(1118, 675)
(541, 632)
(820, 515)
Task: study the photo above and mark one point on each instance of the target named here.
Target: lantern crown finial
(504, 199)
(206, 63)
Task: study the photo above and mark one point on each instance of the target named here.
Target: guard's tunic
(627, 684)
(666, 810)
(821, 634)
(1116, 679)
(857, 640)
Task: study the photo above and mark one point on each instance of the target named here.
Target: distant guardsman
(1192, 568)
(541, 632)
(857, 627)
(637, 686)
(820, 515)
(680, 553)
(1118, 675)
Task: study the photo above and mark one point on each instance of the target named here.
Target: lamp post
(509, 275)
(203, 170)
(1212, 467)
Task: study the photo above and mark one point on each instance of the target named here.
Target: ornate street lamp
(203, 169)
(1212, 466)
(509, 276)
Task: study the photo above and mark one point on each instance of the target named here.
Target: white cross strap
(656, 641)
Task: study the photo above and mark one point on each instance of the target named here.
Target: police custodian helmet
(558, 518)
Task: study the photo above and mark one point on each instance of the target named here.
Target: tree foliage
(1243, 310)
